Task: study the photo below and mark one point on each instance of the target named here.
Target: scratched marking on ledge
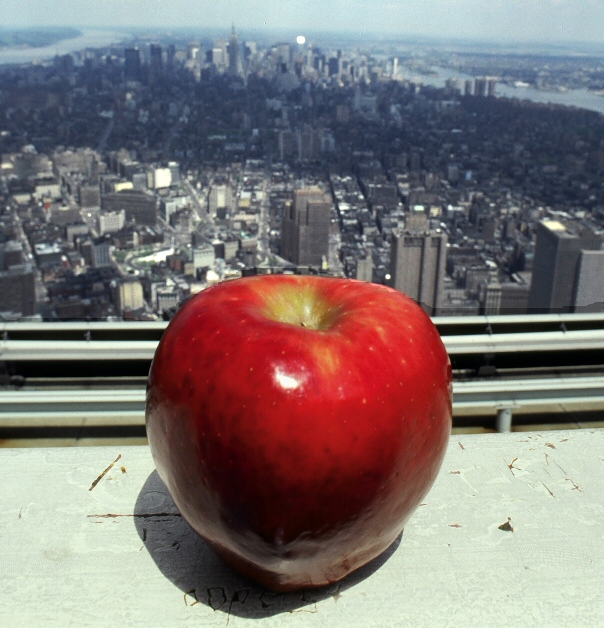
(191, 594)
(511, 466)
(219, 598)
(146, 515)
(104, 473)
(576, 487)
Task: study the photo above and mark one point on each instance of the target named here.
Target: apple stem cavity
(305, 308)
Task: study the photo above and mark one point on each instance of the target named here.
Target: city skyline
(553, 21)
(171, 160)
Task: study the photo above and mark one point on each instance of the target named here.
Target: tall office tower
(234, 50)
(220, 200)
(288, 145)
(132, 67)
(171, 54)
(250, 48)
(18, 290)
(557, 252)
(333, 66)
(305, 228)
(418, 265)
(282, 54)
(589, 289)
(100, 251)
(156, 63)
(480, 86)
(11, 254)
(220, 54)
(453, 85)
(364, 269)
(194, 51)
(309, 144)
(129, 295)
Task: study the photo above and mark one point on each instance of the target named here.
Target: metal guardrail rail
(447, 325)
(476, 344)
(93, 349)
(35, 349)
(497, 398)
(76, 350)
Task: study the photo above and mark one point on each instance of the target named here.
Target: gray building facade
(305, 228)
(556, 267)
(589, 290)
(18, 290)
(418, 266)
(139, 207)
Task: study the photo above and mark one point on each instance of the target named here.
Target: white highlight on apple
(287, 382)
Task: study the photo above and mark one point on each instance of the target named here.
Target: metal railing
(70, 408)
(534, 364)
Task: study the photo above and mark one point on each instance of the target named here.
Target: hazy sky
(534, 20)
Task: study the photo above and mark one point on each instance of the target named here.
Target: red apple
(298, 421)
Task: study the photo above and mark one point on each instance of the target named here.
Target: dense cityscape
(136, 175)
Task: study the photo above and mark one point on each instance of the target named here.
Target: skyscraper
(17, 281)
(18, 290)
(220, 198)
(418, 264)
(155, 61)
(589, 289)
(234, 52)
(305, 228)
(132, 67)
(480, 86)
(100, 251)
(170, 57)
(557, 252)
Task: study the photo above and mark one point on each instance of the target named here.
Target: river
(88, 39)
(582, 98)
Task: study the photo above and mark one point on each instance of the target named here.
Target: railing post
(504, 420)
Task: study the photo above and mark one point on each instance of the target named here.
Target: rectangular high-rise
(221, 197)
(556, 266)
(589, 288)
(156, 60)
(18, 290)
(305, 228)
(418, 266)
(132, 64)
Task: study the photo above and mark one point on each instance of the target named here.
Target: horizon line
(352, 33)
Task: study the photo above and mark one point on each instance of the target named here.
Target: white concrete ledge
(512, 534)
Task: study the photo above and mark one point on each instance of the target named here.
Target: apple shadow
(188, 562)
